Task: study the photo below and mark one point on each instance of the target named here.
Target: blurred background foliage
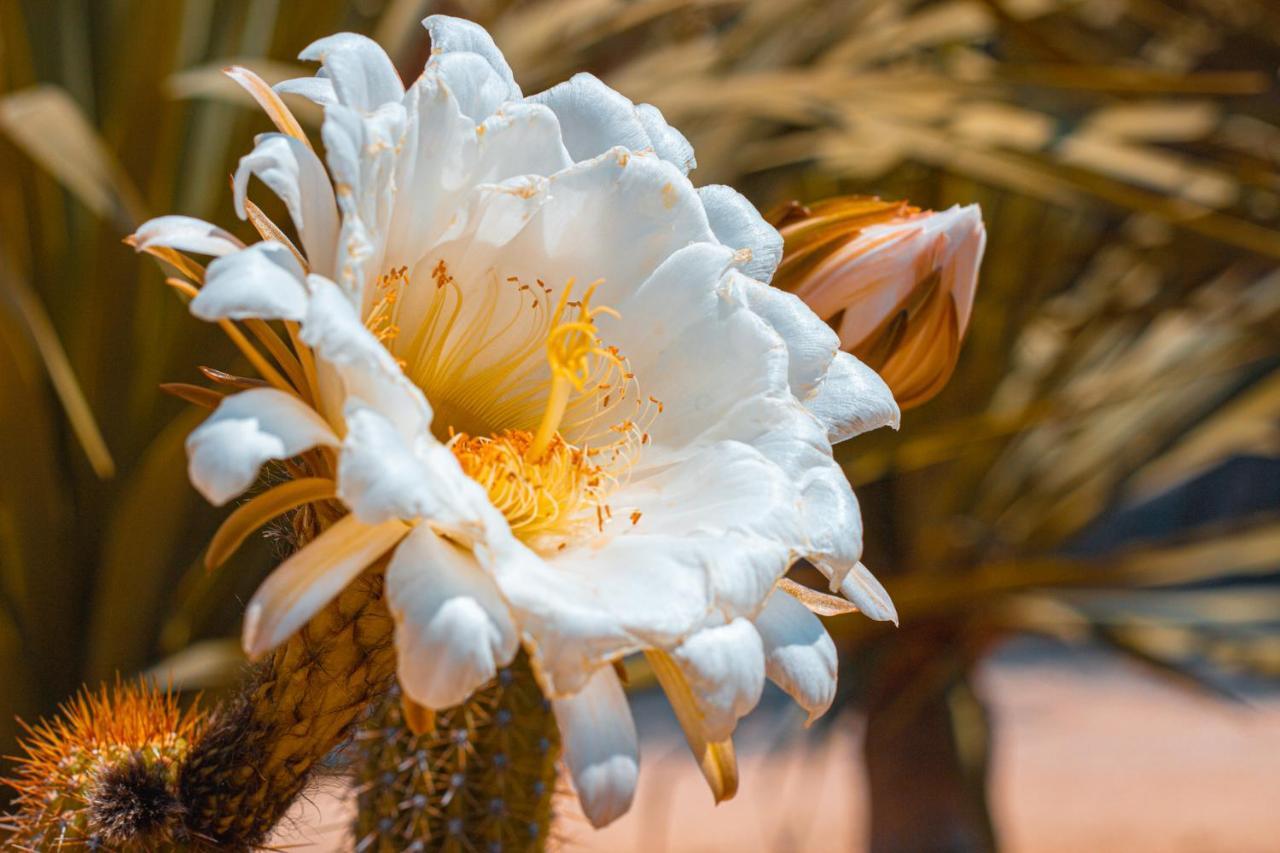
(1102, 467)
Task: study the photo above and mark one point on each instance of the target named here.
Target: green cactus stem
(482, 778)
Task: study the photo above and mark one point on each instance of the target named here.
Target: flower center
(558, 491)
(548, 437)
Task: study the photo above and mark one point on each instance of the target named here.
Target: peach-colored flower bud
(895, 282)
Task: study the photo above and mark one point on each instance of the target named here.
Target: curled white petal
(476, 86)
(247, 429)
(362, 74)
(318, 90)
(264, 281)
(453, 630)
(725, 669)
(833, 523)
(593, 117)
(853, 399)
(362, 150)
(186, 234)
(356, 365)
(668, 143)
(379, 475)
(295, 174)
(456, 35)
(811, 344)
(600, 746)
(862, 588)
(738, 225)
(798, 652)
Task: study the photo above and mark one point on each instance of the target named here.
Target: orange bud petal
(896, 283)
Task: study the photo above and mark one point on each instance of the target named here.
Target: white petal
(448, 159)
(362, 151)
(453, 629)
(318, 90)
(862, 588)
(226, 451)
(363, 77)
(263, 281)
(668, 143)
(811, 344)
(600, 746)
(456, 35)
(334, 329)
(798, 653)
(738, 225)
(522, 139)
(687, 315)
(593, 117)
(379, 475)
(714, 534)
(832, 520)
(363, 367)
(853, 399)
(307, 581)
(294, 173)
(725, 670)
(639, 211)
(477, 87)
(187, 234)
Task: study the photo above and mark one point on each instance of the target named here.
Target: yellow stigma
(571, 346)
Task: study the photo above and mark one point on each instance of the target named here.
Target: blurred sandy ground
(1091, 755)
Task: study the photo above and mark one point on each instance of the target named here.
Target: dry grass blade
(46, 123)
(1247, 425)
(27, 306)
(201, 665)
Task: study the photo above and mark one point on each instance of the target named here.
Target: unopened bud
(894, 281)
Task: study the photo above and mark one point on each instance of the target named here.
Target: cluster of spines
(483, 778)
(103, 774)
(126, 770)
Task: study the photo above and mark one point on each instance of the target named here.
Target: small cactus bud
(103, 773)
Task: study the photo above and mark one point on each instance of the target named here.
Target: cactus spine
(483, 778)
(103, 775)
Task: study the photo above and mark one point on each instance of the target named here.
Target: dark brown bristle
(135, 802)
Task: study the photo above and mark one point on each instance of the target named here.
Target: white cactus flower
(552, 388)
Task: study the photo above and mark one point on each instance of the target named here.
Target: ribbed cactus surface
(483, 778)
(260, 750)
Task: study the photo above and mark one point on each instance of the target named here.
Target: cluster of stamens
(558, 490)
(546, 485)
(380, 319)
